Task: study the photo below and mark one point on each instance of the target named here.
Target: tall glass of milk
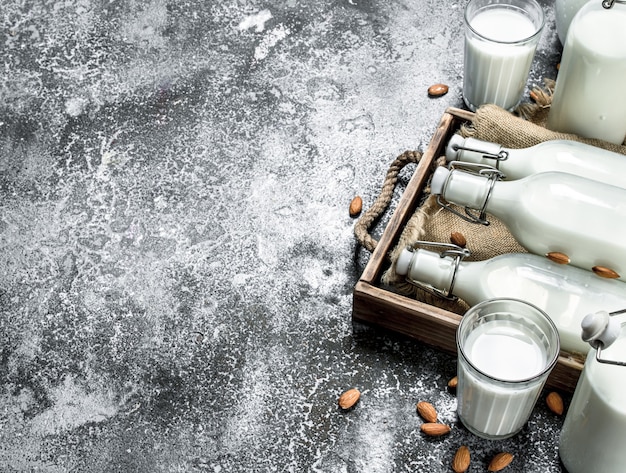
(589, 96)
(501, 37)
(506, 350)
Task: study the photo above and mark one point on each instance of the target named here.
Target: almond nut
(427, 411)
(437, 90)
(458, 239)
(557, 257)
(453, 383)
(356, 206)
(555, 402)
(349, 398)
(461, 460)
(435, 429)
(500, 461)
(605, 272)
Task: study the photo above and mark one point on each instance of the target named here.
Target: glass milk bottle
(594, 431)
(564, 11)
(590, 94)
(565, 293)
(550, 212)
(555, 155)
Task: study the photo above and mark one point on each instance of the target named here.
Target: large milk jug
(589, 96)
(592, 439)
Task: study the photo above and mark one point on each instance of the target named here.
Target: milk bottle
(590, 97)
(592, 439)
(554, 155)
(550, 212)
(564, 292)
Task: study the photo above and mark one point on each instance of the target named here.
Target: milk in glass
(507, 348)
(499, 48)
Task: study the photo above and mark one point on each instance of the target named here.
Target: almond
(605, 272)
(356, 206)
(453, 383)
(557, 257)
(500, 461)
(434, 429)
(461, 460)
(427, 411)
(349, 398)
(555, 402)
(437, 90)
(458, 239)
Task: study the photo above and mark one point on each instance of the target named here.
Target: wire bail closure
(608, 4)
(449, 249)
(502, 155)
(492, 174)
(600, 345)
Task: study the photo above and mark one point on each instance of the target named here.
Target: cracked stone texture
(176, 256)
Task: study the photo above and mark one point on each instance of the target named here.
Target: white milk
(594, 431)
(496, 72)
(565, 293)
(550, 212)
(590, 93)
(508, 352)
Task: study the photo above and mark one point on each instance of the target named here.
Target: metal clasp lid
(608, 4)
(449, 249)
(600, 330)
(492, 174)
(501, 155)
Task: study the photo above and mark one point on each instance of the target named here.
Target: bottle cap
(440, 176)
(404, 260)
(600, 328)
(452, 150)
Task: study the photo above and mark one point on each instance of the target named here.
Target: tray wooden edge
(431, 325)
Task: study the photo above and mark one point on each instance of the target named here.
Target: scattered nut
(434, 429)
(349, 398)
(461, 460)
(555, 402)
(500, 461)
(437, 90)
(458, 239)
(558, 258)
(356, 206)
(427, 411)
(605, 272)
(453, 383)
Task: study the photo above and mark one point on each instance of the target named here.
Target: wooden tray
(434, 326)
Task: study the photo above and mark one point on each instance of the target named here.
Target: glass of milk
(501, 37)
(506, 350)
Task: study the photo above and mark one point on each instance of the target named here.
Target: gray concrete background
(176, 255)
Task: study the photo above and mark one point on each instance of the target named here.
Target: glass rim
(527, 39)
(549, 362)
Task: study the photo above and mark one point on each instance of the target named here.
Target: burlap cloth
(522, 129)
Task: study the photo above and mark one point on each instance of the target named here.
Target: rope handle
(365, 222)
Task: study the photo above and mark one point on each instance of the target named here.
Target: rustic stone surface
(176, 259)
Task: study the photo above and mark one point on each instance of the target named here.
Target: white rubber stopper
(600, 327)
(440, 176)
(452, 150)
(403, 262)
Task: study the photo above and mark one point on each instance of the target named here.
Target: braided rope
(362, 226)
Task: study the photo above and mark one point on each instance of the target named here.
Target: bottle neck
(467, 189)
(432, 270)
